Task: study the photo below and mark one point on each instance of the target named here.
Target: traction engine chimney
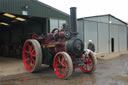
(73, 19)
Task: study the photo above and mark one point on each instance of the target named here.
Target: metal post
(127, 36)
(97, 37)
(47, 27)
(109, 41)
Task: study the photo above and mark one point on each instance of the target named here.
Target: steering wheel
(56, 30)
(35, 36)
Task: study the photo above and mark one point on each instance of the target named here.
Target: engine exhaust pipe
(73, 19)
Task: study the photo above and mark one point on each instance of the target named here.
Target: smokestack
(73, 19)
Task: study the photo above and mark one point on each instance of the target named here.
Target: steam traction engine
(60, 49)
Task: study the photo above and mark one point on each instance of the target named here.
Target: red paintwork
(35, 36)
(88, 67)
(29, 55)
(61, 34)
(59, 44)
(62, 70)
(56, 42)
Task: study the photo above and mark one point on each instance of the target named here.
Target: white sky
(85, 8)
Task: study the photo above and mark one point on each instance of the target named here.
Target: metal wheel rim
(61, 71)
(88, 65)
(29, 56)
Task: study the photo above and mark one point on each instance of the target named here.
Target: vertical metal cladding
(101, 30)
(35, 8)
(73, 19)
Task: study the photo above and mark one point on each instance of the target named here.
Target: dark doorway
(112, 44)
(13, 33)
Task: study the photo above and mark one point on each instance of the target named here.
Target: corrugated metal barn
(108, 33)
(19, 19)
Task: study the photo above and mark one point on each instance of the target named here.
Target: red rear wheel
(32, 55)
(63, 65)
(89, 63)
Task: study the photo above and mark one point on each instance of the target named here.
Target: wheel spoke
(32, 63)
(88, 68)
(91, 66)
(63, 58)
(89, 60)
(85, 66)
(30, 48)
(59, 59)
(33, 60)
(64, 73)
(27, 51)
(61, 67)
(29, 65)
(27, 59)
(66, 67)
(33, 54)
(27, 55)
(63, 62)
(88, 64)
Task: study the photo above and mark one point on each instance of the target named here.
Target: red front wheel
(63, 65)
(32, 55)
(89, 63)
